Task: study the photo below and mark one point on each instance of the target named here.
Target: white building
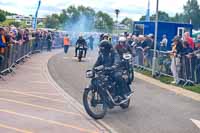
(19, 18)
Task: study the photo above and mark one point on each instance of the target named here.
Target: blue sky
(129, 8)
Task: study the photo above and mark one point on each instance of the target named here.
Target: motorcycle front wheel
(94, 104)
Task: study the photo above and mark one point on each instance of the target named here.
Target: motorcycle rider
(122, 47)
(109, 58)
(81, 42)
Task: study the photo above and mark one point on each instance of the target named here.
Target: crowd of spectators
(19, 37)
(181, 60)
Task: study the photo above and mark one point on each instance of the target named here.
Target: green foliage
(2, 17)
(104, 22)
(128, 22)
(6, 13)
(195, 88)
(16, 24)
(168, 80)
(72, 14)
(52, 21)
(191, 12)
(162, 16)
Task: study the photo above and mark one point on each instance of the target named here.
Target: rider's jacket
(81, 42)
(121, 49)
(108, 60)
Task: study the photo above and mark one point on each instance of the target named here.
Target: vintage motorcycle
(80, 52)
(101, 93)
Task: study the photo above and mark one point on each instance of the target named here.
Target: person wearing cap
(177, 48)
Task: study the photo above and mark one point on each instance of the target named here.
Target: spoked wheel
(94, 105)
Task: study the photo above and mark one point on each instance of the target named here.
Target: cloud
(129, 8)
(6, 3)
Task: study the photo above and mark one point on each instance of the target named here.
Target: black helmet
(105, 47)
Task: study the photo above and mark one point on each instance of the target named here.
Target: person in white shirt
(163, 43)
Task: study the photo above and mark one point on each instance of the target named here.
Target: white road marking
(196, 122)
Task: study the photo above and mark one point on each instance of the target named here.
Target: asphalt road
(152, 110)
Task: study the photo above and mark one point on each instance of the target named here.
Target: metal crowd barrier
(187, 67)
(14, 54)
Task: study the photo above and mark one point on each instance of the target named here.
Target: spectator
(175, 56)
(189, 39)
(198, 42)
(66, 43)
(2, 46)
(148, 52)
(91, 42)
(163, 43)
(37, 40)
(49, 42)
(187, 61)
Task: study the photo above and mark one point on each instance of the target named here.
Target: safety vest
(66, 41)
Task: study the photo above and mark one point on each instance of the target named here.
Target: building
(20, 18)
(120, 26)
(168, 28)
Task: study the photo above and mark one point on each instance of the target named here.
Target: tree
(127, 21)
(52, 21)
(104, 22)
(2, 17)
(63, 18)
(16, 24)
(192, 12)
(162, 16)
(178, 18)
(73, 14)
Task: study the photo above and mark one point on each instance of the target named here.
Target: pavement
(153, 109)
(31, 102)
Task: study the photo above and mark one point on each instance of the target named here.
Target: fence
(185, 67)
(16, 53)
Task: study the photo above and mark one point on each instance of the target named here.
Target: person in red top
(189, 40)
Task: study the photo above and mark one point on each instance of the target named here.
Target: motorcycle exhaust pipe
(117, 104)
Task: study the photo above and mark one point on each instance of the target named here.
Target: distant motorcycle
(101, 93)
(80, 52)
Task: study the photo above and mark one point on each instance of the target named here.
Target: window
(139, 29)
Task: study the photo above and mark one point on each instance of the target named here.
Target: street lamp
(155, 40)
(117, 11)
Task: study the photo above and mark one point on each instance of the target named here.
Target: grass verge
(168, 80)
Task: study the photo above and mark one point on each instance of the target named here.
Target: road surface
(152, 110)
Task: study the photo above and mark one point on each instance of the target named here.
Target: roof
(162, 22)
